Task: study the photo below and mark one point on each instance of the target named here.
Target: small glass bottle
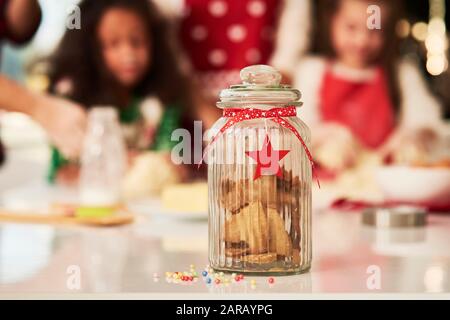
(103, 162)
(259, 179)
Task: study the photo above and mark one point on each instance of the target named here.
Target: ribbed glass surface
(259, 225)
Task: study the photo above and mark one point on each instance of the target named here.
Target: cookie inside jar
(261, 231)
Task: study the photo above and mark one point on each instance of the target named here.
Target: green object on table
(94, 212)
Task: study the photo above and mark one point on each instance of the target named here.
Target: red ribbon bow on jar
(237, 115)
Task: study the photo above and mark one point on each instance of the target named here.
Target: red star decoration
(267, 159)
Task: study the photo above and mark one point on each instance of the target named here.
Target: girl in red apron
(359, 94)
(363, 103)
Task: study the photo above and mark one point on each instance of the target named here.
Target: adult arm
(292, 35)
(63, 120)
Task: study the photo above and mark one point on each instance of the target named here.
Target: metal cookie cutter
(395, 217)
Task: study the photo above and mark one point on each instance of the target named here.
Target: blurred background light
(436, 41)
(436, 64)
(420, 31)
(403, 28)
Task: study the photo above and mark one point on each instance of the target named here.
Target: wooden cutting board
(122, 217)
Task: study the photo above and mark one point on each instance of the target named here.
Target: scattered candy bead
(208, 274)
(271, 280)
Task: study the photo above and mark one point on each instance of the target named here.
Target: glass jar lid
(260, 85)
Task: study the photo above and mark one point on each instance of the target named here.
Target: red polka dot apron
(364, 107)
(221, 37)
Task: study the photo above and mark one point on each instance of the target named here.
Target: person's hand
(334, 147)
(410, 146)
(64, 121)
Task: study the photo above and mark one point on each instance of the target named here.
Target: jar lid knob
(261, 75)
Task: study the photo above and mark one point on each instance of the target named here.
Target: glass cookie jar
(259, 179)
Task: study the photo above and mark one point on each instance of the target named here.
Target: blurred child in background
(358, 94)
(123, 57)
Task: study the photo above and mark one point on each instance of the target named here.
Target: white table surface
(35, 259)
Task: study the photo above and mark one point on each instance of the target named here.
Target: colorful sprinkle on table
(209, 276)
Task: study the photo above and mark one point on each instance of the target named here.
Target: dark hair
(79, 59)
(324, 11)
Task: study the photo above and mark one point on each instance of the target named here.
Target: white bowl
(414, 184)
